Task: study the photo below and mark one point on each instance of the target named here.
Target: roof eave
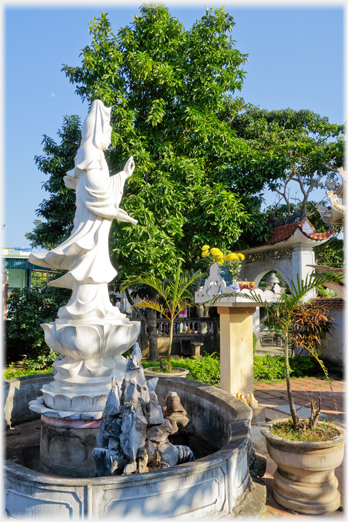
(296, 239)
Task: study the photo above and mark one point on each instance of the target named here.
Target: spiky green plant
(174, 297)
(283, 313)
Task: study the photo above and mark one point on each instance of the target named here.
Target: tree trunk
(152, 329)
(150, 322)
(288, 386)
(169, 353)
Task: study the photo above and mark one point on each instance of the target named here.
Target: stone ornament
(336, 192)
(90, 333)
(215, 285)
(133, 436)
(177, 416)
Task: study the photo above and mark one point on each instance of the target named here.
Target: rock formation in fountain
(177, 416)
(89, 333)
(133, 436)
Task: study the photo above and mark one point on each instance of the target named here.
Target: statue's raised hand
(129, 167)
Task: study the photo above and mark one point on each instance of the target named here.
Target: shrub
(204, 369)
(271, 367)
(12, 373)
(28, 308)
(254, 343)
(42, 364)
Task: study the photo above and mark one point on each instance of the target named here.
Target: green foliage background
(58, 211)
(173, 93)
(207, 368)
(27, 309)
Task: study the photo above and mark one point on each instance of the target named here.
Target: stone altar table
(236, 331)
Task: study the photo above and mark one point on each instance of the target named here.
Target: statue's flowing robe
(98, 197)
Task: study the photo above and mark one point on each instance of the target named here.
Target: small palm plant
(284, 313)
(175, 296)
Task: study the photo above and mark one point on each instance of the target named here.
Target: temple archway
(289, 251)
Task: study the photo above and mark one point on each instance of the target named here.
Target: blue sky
(296, 59)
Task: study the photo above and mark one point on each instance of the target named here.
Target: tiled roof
(282, 233)
(286, 231)
(335, 303)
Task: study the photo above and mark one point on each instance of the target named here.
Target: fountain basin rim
(227, 468)
(215, 459)
(238, 435)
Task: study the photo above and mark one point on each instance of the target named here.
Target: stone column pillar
(256, 323)
(301, 257)
(236, 348)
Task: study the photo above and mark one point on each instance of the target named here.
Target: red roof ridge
(284, 232)
(316, 235)
(309, 223)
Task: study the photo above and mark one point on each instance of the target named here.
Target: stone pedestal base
(236, 348)
(66, 446)
(196, 349)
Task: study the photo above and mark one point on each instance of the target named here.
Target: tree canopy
(300, 146)
(170, 90)
(203, 156)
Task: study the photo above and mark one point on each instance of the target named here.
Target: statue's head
(96, 137)
(96, 128)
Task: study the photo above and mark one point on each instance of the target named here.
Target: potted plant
(174, 297)
(306, 451)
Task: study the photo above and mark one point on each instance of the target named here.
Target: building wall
(16, 278)
(334, 351)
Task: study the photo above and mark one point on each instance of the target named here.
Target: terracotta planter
(305, 478)
(179, 372)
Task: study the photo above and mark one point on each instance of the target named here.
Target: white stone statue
(90, 332)
(85, 254)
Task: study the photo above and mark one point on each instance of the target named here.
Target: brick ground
(274, 394)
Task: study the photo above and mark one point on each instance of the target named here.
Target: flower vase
(235, 286)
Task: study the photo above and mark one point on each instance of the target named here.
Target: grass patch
(268, 369)
(303, 432)
(15, 373)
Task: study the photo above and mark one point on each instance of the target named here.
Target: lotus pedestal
(72, 404)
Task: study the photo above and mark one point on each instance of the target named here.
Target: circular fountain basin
(216, 485)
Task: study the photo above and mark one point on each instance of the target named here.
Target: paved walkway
(273, 395)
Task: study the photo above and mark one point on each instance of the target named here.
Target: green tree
(170, 89)
(27, 309)
(58, 211)
(300, 146)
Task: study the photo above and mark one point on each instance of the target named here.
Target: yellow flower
(241, 256)
(205, 253)
(214, 251)
(220, 262)
(205, 247)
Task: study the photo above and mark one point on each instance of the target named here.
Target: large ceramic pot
(305, 478)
